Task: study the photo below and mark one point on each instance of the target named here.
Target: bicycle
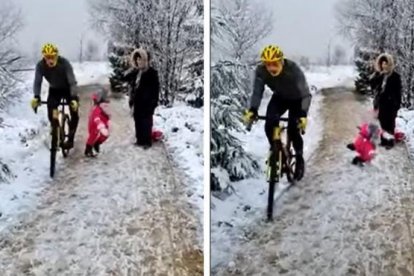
(281, 161)
(60, 130)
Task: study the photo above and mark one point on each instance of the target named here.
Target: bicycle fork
(274, 166)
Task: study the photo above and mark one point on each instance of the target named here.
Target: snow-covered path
(124, 213)
(341, 219)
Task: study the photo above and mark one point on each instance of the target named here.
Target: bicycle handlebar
(260, 117)
(62, 102)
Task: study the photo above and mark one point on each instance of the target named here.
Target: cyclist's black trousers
(276, 108)
(53, 101)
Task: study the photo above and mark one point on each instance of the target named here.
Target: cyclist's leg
(275, 109)
(74, 119)
(295, 112)
(53, 101)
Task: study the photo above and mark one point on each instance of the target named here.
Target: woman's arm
(156, 90)
(398, 91)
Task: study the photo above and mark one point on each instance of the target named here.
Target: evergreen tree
(227, 151)
(193, 87)
(119, 60)
(363, 62)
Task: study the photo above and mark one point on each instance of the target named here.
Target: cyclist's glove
(303, 122)
(249, 116)
(74, 103)
(35, 102)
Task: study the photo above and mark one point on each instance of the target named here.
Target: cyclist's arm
(305, 92)
(306, 102)
(37, 85)
(258, 89)
(71, 79)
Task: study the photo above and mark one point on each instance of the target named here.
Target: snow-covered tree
(10, 24)
(91, 51)
(383, 26)
(227, 151)
(230, 87)
(170, 30)
(246, 23)
(339, 55)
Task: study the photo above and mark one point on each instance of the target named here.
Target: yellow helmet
(271, 53)
(49, 50)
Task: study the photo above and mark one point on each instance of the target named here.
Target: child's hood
(368, 130)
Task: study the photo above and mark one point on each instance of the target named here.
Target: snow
(341, 219)
(183, 129)
(126, 210)
(91, 72)
(405, 123)
(232, 214)
(24, 140)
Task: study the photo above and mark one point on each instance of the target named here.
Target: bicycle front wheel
(53, 149)
(273, 178)
(52, 162)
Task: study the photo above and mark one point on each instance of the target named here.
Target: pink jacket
(363, 143)
(98, 126)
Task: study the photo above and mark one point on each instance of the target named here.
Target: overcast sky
(304, 27)
(59, 21)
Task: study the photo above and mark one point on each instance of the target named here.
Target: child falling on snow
(365, 143)
(98, 123)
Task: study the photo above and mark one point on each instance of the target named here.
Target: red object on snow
(399, 136)
(98, 126)
(156, 135)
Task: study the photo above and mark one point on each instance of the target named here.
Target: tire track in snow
(341, 219)
(123, 213)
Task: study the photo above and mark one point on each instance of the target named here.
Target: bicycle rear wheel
(289, 163)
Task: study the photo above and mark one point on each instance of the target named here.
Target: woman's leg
(387, 122)
(146, 131)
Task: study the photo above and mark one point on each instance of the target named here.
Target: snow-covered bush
(172, 31)
(383, 26)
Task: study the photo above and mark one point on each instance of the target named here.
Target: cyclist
(59, 73)
(290, 93)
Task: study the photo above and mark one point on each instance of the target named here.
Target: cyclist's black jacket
(290, 85)
(59, 77)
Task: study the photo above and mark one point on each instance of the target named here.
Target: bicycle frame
(279, 162)
(59, 120)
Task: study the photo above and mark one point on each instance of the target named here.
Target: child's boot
(96, 147)
(89, 152)
(351, 146)
(357, 161)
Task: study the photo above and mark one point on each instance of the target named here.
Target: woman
(144, 93)
(386, 84)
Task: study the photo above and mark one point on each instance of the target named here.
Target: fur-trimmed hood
(389, 59)
(143, 54)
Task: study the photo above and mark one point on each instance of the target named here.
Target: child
(98, 123)
(365, 143)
